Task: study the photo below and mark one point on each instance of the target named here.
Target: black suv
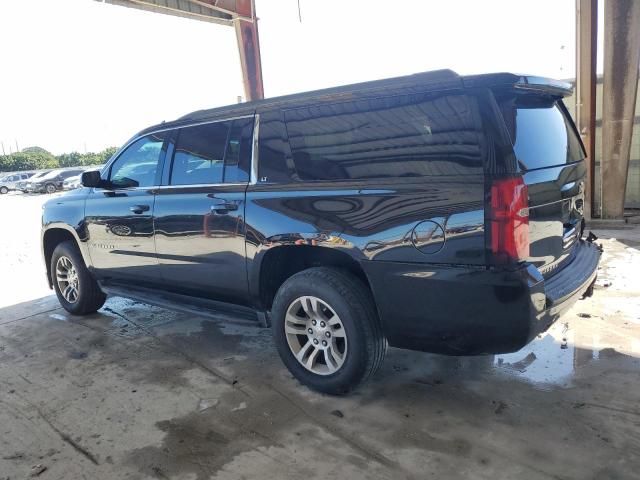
(432, 212)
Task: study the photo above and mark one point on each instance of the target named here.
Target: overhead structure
(240, 14)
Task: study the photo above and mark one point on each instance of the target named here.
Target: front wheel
(77, 290)
(4, 190)
(326, 330)
(50, 188)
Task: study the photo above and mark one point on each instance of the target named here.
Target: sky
(81, 75)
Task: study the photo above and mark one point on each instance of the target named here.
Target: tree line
(37, 158)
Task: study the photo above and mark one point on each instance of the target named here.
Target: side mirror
(92, 179)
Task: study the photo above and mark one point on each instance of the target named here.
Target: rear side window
(199, 154)
(542, 134)
(213, 153)
(402, 136)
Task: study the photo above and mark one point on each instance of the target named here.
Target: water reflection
(556, 359)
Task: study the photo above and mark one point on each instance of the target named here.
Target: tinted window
(274, 159)
(138, 164)
(199, 154)
(213, 153)
(237, 159)
(543, 136)
(403, 136)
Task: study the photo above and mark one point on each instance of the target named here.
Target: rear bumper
(462, 310)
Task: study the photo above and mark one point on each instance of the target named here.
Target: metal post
(246, 25)
(586, 55)
(621, 63)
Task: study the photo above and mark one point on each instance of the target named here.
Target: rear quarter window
(542, 132)
(404, 136)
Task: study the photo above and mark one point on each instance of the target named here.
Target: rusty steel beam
(191, 9)
(585, 98)
(620, 87)
(239, 13)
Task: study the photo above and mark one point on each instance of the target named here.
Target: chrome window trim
(197, 124)
(254, 150)
(198, 185)
(107, 165)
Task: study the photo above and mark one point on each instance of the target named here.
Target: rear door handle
(138, 209)
(224, 207)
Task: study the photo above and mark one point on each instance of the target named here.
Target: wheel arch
(279, 263)
(52, 236)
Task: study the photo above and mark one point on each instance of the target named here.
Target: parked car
(433, 212)
(22, 185)
(52, 181)
(72, 183)
(10, 182)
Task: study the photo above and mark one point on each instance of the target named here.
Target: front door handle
(138, 209)
(224, 207)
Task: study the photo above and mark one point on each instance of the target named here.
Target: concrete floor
(140, 392)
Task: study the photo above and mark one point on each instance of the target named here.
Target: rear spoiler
(523, 83)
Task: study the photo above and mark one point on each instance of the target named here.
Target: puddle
(547, 362)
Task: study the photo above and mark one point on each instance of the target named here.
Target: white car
(9, 182)
(72, 183)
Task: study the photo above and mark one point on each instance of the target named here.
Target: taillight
(509, 217)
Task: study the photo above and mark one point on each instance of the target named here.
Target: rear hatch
(550, 158)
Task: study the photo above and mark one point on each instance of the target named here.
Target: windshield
(542, 134)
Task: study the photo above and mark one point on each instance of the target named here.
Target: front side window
(138, 164)
(391, 137)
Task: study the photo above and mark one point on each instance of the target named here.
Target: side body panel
(434, 219)
(120, 238)
(200, 243)
(369, 222)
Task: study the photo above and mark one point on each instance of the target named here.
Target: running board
(193, 305)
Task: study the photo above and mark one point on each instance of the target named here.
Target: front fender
(63, 217)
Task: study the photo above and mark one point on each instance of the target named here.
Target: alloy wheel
(315, 335)
(51, 188)
(67, 279)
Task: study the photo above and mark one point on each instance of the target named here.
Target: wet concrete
(139, 392)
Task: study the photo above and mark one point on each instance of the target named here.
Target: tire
(88, 296)
(50, 188)
(355, 346)
(4, 190)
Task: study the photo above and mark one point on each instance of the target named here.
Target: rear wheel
(77, 290)
(327, 330)
(50, 188)
(4, 190)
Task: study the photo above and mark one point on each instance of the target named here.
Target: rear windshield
(542, 134)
